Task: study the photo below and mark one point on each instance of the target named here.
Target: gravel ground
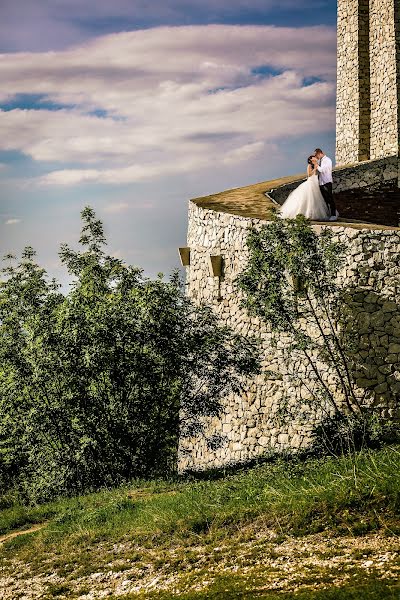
(311, 562)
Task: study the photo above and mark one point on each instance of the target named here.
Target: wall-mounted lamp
(298, 284)
(215, 263)
(184, 254)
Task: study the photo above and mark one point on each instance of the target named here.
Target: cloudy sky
(134, 107)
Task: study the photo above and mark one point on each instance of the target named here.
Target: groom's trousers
(327, 193)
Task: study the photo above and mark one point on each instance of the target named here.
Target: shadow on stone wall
(371, 339)
(378, 204)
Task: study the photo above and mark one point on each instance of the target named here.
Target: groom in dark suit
(323, 164)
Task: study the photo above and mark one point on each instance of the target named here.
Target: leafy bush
(96, 385)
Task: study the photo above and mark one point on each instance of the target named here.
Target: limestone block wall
(368, 80)
(366, 174)
(353, 82)
(384, 74)
(272, 411)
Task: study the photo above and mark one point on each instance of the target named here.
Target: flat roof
(248, 201)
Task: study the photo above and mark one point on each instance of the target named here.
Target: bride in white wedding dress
(306, 199)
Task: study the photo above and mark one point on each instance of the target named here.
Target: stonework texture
(368, 80)
(273, 412)
(353, 93)
(384, 61)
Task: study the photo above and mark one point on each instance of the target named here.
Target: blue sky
(134, 108)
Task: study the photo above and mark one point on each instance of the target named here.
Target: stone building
(366, 188)
(368, 80)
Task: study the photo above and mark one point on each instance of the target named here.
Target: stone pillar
(385, 83)
(353, 82)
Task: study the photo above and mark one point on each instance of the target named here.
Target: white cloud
(117, 207)
(118, 253)
(172, 100)
(12, 221)
(246, 152)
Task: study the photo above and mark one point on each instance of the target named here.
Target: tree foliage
(291, 283)
(97, 384)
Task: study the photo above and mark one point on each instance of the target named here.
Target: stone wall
(384, 60)
(353, 82)
(363, 175)
(368, 80)
(273, 412)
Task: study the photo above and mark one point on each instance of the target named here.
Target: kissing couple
(314, 197)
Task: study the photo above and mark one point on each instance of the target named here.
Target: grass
(230, 532)
(358, 493)
(234, 589)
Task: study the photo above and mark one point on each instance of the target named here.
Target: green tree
(99, 383)
(26, 298)
(290, 282)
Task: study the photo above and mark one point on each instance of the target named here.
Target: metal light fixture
(215, 264)
(184, 254)
(298, 284)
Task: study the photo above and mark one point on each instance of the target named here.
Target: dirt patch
(14, 534)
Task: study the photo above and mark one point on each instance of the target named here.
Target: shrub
(96, 385)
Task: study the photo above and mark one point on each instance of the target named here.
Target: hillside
(313, 529)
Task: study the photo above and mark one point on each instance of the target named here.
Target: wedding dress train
(306, 200)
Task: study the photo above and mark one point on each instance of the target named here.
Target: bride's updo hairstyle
(309, 160)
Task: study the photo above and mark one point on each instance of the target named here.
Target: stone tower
(368, 87)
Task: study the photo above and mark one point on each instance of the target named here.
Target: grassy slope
(237, 537)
